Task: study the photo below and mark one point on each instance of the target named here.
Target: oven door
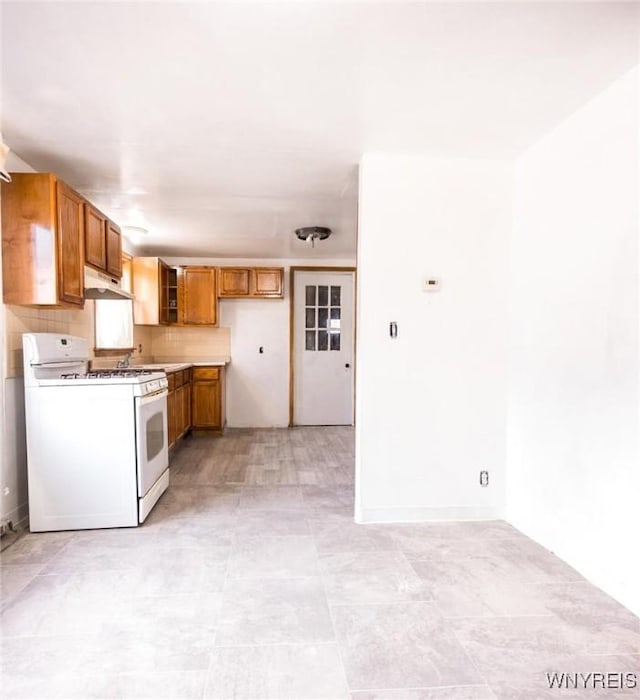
(152, 449)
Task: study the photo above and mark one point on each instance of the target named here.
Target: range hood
(100, 286)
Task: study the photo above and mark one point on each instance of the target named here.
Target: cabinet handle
(347, 365)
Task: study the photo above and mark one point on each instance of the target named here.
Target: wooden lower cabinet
(195, 401)
(186, 408)
(179, 412)
(178, 405)
(207, 399)
(171, 418)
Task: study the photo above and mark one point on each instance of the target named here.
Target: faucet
(124, 363)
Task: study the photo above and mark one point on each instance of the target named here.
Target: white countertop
(173, 366)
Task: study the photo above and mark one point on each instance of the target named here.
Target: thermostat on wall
(431, 284)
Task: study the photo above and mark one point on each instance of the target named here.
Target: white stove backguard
(50, 355)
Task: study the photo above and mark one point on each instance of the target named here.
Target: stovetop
(137, 380)
(120, 373)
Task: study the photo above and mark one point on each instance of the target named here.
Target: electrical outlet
(484, 478)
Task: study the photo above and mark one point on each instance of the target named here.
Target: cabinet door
(186, 408)
(29, 245)
(95, 252)
(70, 245)
(234, 282)
(146, 291)
(114, 250)
(206, 407)
(199, 295)
(171, 417)
(179, 409)
(163, 292)
(267, 282)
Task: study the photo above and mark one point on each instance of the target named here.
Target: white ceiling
(222, 127)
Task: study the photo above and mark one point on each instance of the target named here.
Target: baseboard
(419, 514)
(253, 426)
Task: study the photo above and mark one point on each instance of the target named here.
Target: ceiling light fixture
(311, 233)
(134, 233)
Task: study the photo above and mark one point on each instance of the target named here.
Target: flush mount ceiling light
(134, 233)
(135, 230)
(311, 233)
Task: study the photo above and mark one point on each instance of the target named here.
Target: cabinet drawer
(171, 378)
(206, 373)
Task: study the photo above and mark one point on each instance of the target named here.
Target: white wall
(430, 405)
(258, 384)
(573, 459)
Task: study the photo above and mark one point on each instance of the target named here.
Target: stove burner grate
(109, 373)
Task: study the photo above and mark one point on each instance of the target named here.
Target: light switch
(431, 284)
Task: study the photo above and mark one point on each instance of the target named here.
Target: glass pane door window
(322, 317)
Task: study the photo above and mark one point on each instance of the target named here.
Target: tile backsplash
(149, 341)
(26, 319)
(189, 342)
(80, 322)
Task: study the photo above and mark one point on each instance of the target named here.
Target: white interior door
(323, 348)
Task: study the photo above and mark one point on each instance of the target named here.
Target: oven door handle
(150, 398)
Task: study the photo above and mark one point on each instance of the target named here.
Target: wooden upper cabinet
(70, 245)
(149, 278)
(42, 242)
(251, 282)
(268, 282)
(114, 249)
(102, 242)
(95, 249)
(234, 282)
(126, 281)
(199, 296)
(163, 297)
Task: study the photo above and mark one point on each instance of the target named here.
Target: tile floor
(251, 580)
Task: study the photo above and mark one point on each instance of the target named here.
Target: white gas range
(97, 448)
